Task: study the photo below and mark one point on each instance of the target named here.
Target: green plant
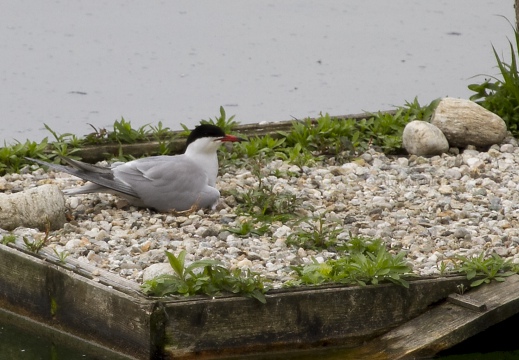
(362, 245)
(62, 149)
(385, 129)
(8, 238)
(344, 138)
(159, 131)
(324, 135)
(488, 269)
(35, 245)
(124, 133)
(62, 255)
(263, 201)
(461, 289)
(315, 233)
(247, 228)
(164, 147)
(207, 277)
(163, 136)
(299, 157)
(12, 158)
(227, 125)
(501, 96)
(68, 138)
(373, 265)
(419, 112)
(97, 137)
(443, 268)
(377, 267)
(64, 144)
(265, 146)
(53, 306)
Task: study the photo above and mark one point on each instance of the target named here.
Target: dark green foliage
(249, 228)
(12, 158)
(367, 263)
(34, 245)
(7, 239)
(204, 277)
(501, 95)
(486, 269)
(262, 201)
(124, 133)
(224, 123)
(315, 233)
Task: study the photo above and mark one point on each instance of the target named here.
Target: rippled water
(71, 63)
(17, 343)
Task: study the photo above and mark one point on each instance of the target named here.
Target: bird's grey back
(168, 182)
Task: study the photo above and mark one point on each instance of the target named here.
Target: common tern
(164, 183)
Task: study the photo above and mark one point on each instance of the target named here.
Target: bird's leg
(194, 208)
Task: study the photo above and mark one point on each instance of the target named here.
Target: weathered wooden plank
(467, 302)
(343, 316)
(92, 272)
(446, 325)
(72, 303)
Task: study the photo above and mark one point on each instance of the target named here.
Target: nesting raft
(104, 309)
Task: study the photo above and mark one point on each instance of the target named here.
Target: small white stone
(155, 270)
(245, 263)
(282, 231)
(73, 244)
(445, 190)
(507, 148)
(73, 202)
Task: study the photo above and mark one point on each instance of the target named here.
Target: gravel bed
(433, 208)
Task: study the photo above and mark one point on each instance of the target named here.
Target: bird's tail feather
(96, 174)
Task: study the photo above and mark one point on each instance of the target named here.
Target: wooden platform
(104, 309)
(447, 324)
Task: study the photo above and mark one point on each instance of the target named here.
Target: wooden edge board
(345, 317)
(446, 325)
(87, 270)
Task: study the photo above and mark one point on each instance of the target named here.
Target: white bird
(163, 183)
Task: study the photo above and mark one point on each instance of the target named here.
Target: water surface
(78, 62)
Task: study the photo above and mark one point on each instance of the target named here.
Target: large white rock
(38, 207)
(466, 123)
(423, 138)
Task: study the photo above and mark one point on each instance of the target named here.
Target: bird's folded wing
(174, 179)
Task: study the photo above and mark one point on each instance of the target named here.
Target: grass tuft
(205, 277)
(501, 95)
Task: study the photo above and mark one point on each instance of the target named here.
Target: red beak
(231, 138)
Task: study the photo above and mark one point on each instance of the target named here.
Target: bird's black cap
(211, 131)
(205, 130)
